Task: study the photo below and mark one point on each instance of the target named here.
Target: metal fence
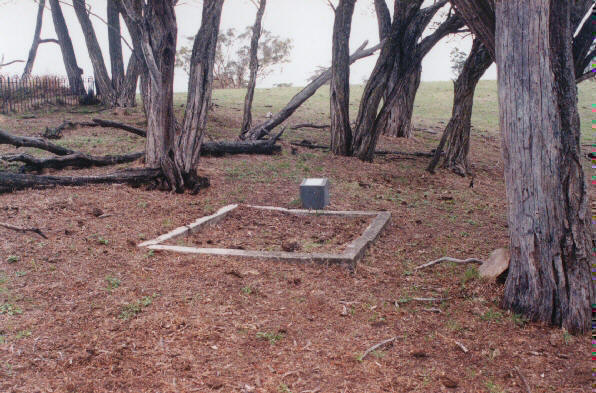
(26, 94)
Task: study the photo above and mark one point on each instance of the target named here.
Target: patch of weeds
(273, 338)
(10, 309)
(142, 205)
(20, 274)
(404, 300)
(23, 334)
(2, 339)
(470, 274)
(492, 316)
(567, 338)
(465, 234)
(103, 241)
(113, 283)
(151, 254)
(453, 325)
(283, 388)
(518, 319)
(248, 290)
(493, 387)
(12, 259)
(131, 310)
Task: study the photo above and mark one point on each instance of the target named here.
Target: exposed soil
(88, 311)
(247, 228)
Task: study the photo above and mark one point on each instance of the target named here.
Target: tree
(458, 60)
(401, 55)
(341, 131)
(253, 67)
(550, 234)
(456, 137)
(73, 71)
(232, 58)
(118, 90)
(37, 40)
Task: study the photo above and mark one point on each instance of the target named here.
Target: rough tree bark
(341, 131)
(188, 142)
(70, 61)
(401, 55)
(399, 123)
(456, 137)
(102, 79)
(253, 67)
(549, 220)
(115, 44)
(259, 131)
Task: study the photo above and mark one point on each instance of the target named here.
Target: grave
(314, 193)
(349, 256)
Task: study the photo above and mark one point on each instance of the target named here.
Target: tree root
(448, 259)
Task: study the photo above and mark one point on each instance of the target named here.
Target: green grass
(432, 106)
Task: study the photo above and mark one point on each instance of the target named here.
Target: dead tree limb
(309, 145)
(523, 379)
(76, 160)
(125, 127)
(23, 230)
(39, 143)
(56, 133)
(310, 125)
(376, 346)
(448, 259)
(261, 130)
(10, 182)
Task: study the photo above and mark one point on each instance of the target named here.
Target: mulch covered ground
(248, 228)
(88, 311)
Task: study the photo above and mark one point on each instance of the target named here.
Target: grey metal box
(314, 193)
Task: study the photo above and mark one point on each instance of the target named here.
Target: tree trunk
(115, 45)
(551, 239)
(341, 131)
(188, 141)
(265, 128)
(127, 93)
(70, 61)
(36, 40)
(254, 67)
(102, 79)
(456, 136)
(399, 123)
(383, 18)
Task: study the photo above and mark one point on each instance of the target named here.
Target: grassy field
(432, 108)
(86, 310)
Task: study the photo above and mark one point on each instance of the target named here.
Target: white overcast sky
(308, 23)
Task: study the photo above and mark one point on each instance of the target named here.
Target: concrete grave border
(353, 252)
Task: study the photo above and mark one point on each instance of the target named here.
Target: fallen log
(76, 160)
(261, 130)
(309, 145)
(23, 230)
(221, 148)
(39, 143)
(125, 127)
(10, 182)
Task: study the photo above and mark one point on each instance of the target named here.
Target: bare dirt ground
(88, 311)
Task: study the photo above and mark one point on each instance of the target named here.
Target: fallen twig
(523, 379)
(433, 309)
(310, 125)
(309, 145)
(429, 299)
(375, 347)
(463, 348)
(448, 259)
(23, 230)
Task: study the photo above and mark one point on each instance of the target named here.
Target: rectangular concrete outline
(353, 252)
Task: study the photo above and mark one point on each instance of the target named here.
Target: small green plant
(492, 315)
(567, 338)
(23, 334)
(102, 241)
(273, 338)
(470, 274)
(2, 339)
(151, 254)
(283, 388)
(247, 290)
(20, 274)
(493, 387)
(12, 259)
(10, 309)
(519, 319)
(131, 310)
(113, 283)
